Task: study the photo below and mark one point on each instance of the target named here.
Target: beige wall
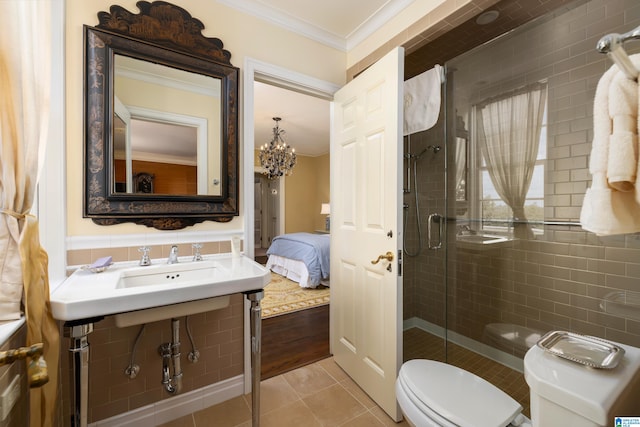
(243, 35)
(322, 188)
(305, 191)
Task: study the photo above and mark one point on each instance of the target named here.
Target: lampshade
(326, 209)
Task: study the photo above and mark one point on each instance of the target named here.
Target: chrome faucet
(173, 255)
(197, 256)
(144, 260)
(465, 230)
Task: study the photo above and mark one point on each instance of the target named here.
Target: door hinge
(399, 262)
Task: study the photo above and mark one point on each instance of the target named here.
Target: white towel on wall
(606, 210)
(422, 101)
(623, 145)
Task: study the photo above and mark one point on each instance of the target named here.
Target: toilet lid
(459, 396)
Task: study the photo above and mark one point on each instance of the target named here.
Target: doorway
(266, 213)
(255, 70)
(270, 74)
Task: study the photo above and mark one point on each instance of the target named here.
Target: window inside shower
(497, 216)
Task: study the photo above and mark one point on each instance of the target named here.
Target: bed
(301, 257)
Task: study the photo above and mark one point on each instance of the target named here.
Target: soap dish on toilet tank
(583, 349)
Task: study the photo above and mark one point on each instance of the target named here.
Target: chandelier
(277, 157)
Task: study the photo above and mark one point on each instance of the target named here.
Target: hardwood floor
(292, 340)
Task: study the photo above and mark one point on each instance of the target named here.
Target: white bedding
(292, 269)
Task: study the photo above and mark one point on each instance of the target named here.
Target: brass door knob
(37, 368)
(388, 256)
(21, 353)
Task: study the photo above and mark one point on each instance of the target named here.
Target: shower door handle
(434, 217)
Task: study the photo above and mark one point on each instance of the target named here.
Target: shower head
(410, 156)
(421, 153)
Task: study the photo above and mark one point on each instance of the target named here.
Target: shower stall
(495, 254)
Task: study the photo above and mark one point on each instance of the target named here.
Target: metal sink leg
(79, 348)
(255, 320)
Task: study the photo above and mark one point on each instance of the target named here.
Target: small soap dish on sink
(99, 265)
(96, 269)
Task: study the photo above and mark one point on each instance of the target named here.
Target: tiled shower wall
(565, 278)
(217, 335)
(424, 276)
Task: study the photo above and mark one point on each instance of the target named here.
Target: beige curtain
(25, 64)
(509, 134)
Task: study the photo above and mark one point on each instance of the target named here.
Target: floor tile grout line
(366, 410)
(317, 391)
(364, 404)
(315, 417)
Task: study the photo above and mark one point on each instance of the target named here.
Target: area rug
(283, 296)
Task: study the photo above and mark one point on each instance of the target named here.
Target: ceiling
(305, 119)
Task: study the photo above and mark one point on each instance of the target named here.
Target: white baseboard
(178, 406)
(485, 350)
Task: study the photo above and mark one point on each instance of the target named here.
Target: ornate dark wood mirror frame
(144, 36)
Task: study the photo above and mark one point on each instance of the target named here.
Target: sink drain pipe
(170, 353)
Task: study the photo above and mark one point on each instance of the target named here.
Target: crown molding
(313, 32)
(375, 22)
(287, 21)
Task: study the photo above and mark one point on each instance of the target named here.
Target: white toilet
(432, 394)
(563, 393)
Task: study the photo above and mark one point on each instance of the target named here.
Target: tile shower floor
(321, 394)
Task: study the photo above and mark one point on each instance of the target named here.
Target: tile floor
(320, 394)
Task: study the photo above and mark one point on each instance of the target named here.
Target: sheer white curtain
(25, 65)
(509, 134)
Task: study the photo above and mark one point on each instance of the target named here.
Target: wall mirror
(161, 120)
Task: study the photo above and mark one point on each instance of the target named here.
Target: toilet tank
(569, 394)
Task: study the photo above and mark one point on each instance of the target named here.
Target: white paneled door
(366, 167)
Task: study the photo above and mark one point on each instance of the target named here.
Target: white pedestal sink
(148, 293)
(126, 287)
